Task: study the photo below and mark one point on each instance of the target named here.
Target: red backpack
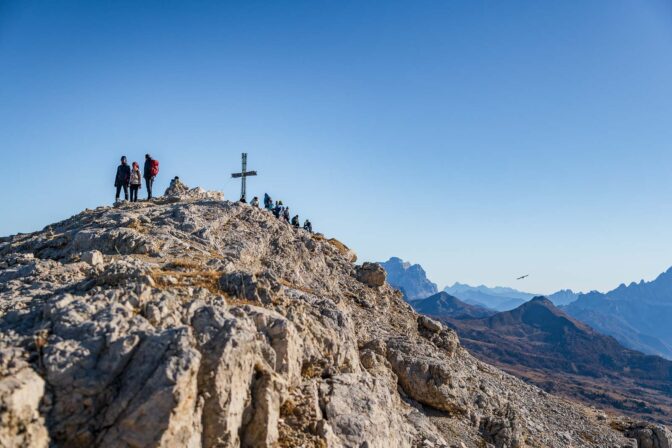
(154, 167)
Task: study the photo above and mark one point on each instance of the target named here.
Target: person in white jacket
(136, 181)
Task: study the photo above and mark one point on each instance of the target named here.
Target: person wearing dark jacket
(295, 221)
(147, 174)
(277, 210)
(268, 202)
(122, 179)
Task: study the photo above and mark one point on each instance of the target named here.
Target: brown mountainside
(542, 344)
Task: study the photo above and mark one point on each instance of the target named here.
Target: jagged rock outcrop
(176, 187)
(21, 390)
(650, 436)
(371, 274)
(204, 323)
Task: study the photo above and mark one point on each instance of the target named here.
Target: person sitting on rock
(277, 210)
(136, 182)
(295, 221)
(122, 179)
(285, 214)
(176, 187)
(308, 226)
(255, 202)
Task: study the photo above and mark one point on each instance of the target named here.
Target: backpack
(154, 167)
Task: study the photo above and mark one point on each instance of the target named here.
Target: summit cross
(243, 175)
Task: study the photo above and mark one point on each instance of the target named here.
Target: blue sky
(482, 139)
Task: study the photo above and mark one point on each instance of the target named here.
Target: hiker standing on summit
(268, 202)
(150, 170)
(136, 182)
(122, 179)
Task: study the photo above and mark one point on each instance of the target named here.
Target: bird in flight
(523, 276)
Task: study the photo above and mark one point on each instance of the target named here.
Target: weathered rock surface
(21, 390)
(203, 323)
(371, 274)
(176, 187)
(649, 435)
(93, 257)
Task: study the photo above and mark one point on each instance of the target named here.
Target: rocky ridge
(443, 305)
(195, 322)
(637, 315)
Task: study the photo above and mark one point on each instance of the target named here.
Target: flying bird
(523, 276)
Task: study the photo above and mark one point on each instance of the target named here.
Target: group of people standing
(131, 177)
(280, 211)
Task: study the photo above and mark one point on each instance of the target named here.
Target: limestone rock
(355, 408)
(344, 250)
(427, 323)
(371, 274)
(21, 390)
(213, 324)
(93, 258)
(176, 187)
(424, 377)
(247, 286)
(650, 435)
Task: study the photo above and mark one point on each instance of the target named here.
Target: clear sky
(482, 139)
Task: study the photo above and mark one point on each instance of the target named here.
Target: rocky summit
(189, 321)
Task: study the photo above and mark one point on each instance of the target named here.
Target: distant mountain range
(563, 297)
(413, 282)
(541, 344)
(503, 299)
(445, 305)
(497, 298)
(596, 347)
(409, 279)
(638, 315)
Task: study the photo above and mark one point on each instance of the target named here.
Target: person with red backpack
(150, 171)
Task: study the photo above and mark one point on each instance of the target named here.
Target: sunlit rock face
(194, 322)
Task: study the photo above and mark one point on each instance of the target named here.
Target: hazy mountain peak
(398, 261)
(497, 298)
(542, 299)
(443, 305)
(409, 278)
(637, 314)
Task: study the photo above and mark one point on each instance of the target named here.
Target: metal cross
(243, 175)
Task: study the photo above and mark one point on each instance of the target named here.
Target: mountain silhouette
(498, 298)
(410, 279)
(563, 297)
(443, 304)
(637, 315)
